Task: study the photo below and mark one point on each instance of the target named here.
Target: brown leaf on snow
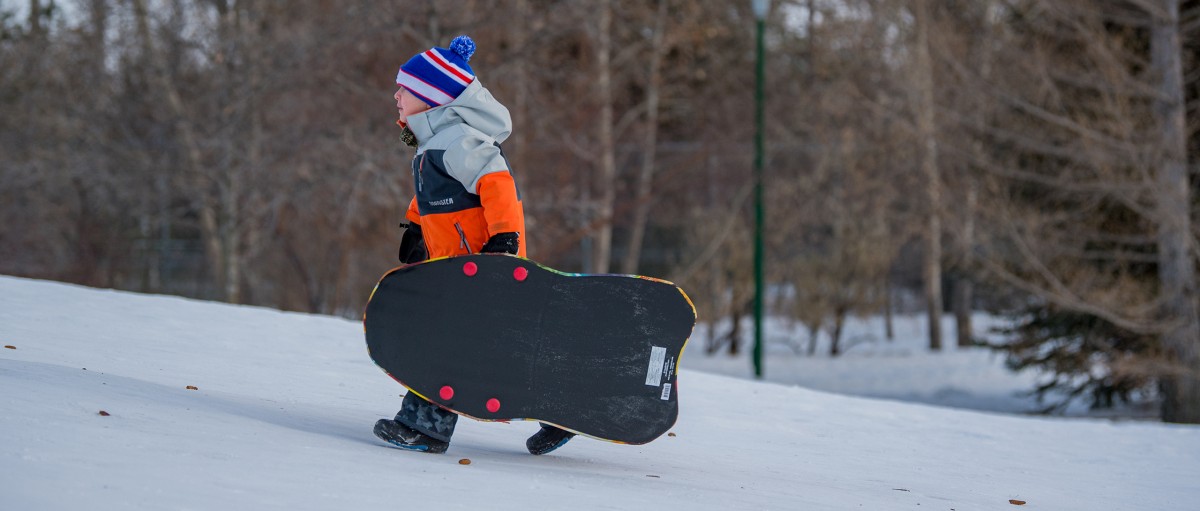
(192, 387)
(104, 413)
(9, 346)
(1016, 502)
(671, 433)
(464, 461)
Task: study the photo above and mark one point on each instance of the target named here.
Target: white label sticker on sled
(658, 356)
(666, 393)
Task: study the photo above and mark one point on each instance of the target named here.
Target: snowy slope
(285, 403)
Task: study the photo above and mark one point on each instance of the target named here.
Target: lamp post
(760, 15)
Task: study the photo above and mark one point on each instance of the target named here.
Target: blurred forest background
(1033, 157)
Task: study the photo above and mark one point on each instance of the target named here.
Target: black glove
(412, 245)
(502, 243)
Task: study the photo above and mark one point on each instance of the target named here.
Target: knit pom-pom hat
(439, 75)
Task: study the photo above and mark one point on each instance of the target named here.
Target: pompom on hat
(439, 75)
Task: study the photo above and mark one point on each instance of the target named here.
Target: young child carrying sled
(466, 202)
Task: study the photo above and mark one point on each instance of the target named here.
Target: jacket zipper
(463, 236)
(421, 173)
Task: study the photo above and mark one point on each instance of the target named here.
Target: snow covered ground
(281, 416)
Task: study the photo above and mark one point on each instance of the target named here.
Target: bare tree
(1176, 244)
(927, 139)
(1089, 198)
(606, 142)
(645, 180)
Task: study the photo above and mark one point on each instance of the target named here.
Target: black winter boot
(547, 439)
(419, 426)
(405, 437)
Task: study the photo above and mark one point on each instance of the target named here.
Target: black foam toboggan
(594, 354)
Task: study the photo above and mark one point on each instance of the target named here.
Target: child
(466, 202)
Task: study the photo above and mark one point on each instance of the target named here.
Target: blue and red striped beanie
(439, 75)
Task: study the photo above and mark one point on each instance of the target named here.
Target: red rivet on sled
(446, 393)
(520, 274)
(493, 405)
(470, 269)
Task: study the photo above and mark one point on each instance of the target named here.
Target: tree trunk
(964, 291)
(964, 287)
(232, 254)
(835, 336)
(1176, 269)
(646, 177)
(889, 327)
(602, 250)
(35, 16)
(927, 138)
(735, 333)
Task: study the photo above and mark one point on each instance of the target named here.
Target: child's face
(408, 104)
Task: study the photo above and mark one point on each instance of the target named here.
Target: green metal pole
(758, 201)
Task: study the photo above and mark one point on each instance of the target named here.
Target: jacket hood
(475, 107)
